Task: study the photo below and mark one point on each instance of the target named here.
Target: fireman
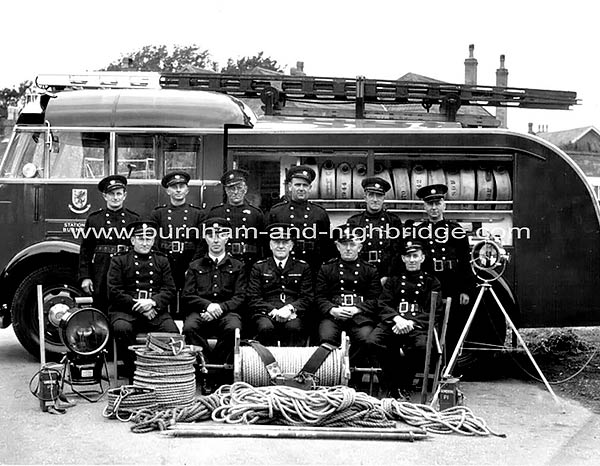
(141, 287)
(314, 244)
(346, 295)
(380, 226)
(104, 238)
(447, 256)
(280, 292)
(180, 227)
(247, 221)
(214, 295)
(404, 307)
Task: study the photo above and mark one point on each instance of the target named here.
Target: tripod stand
(486, 286)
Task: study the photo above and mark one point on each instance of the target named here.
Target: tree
(162, 58)
(247, 64)
(12, 96)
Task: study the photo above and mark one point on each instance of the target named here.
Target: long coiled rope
(339, 406)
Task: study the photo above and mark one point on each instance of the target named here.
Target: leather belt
(110, 248)
(348, 299)
(177, 246)
(304, 245)
(405, 307)
(441, 265)
(238, 248)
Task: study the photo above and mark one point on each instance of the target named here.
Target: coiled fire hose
(241, 403)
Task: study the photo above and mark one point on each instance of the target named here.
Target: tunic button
(402, 291)
(227, 210)
(136, 263)
(137, 272)
(185, 218)
(417, 292)
(137, 281)
(151, 272)
(170, 211)
(243, 219)
(291, 215)
(229, 219)
(356, 272)
(108, 222)
(151, 281)
(305, 215)
(403, 283)
(151, 264)
(443, 249)
(168, 218)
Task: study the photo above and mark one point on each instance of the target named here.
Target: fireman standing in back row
(180, 227)
(447, 256)
(105, 237)
(379, 225)
(247, 221)
(313, 244)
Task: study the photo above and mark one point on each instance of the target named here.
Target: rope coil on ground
(338, 406)
(125, 401)
(171, 376)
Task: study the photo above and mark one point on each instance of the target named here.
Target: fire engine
(515, 187)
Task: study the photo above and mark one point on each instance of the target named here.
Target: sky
(548, 44)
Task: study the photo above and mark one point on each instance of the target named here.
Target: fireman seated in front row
(404, 308)
(346, 295)
(214, 295)
(140, 286)
(280, 292)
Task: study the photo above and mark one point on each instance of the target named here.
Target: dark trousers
(398, 372)
(197, 332)
(126, 327)
(269, 332)
(330, 331)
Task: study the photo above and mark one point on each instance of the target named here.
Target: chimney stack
(530, 128)
(471, 67)
(298, 70)
(501, 81)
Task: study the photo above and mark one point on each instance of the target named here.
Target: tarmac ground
(538, 431)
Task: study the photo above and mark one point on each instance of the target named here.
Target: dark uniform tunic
(449, 261)
(245, 245)
(271, 287)
(314, 245)
(96, 251)
(345, 283)
(131, 276)
(377, 248)
(206, 283)
(179, 235)
(407, 295)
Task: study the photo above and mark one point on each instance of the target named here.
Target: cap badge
(433, 191)
(377, 185)
(305, 173)
(112, 182)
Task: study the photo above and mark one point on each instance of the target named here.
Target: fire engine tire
(382, 172)
(59, 282)
(314, 187)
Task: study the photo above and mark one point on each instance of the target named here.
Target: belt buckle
(347, 300)
(237, 248)
(142, 294)
(176, 246)
(122, 248)
(449, 264)
(373, 256)
(403, 307)
(413, 308)
(274, 370)
(438, 265)
(282, 297)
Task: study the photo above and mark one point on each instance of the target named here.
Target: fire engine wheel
(59, 290)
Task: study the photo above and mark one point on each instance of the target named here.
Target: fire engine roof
(151, 108)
